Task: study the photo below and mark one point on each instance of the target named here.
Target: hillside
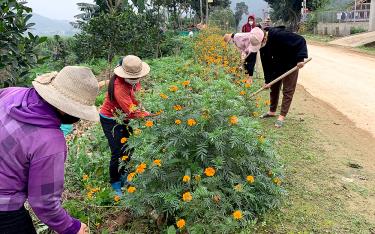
(48, 27)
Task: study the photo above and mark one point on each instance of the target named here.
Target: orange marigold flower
(186, 178)
(186, 82)
(116, 198)
(141, 168)
(233, 120)
(267, 102)
(131, 176)
(181, 223)
(250, 179)
(177, 121)
(162, 95)
(173, 88)
(124, 140)
(277, 181)
(209, 171)
(247, 85)
(131, 189)
(237, 214)
(186, 197)
(242, 93)
(125, 157)
(149, 123)
(157, 162)
(177, 107)
(85, 177)
(191, 122)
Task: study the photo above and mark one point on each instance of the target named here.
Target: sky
(56, 9)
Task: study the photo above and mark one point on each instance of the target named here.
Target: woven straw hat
(132, 67)
(73, 90)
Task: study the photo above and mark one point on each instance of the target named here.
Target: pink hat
(256, 38)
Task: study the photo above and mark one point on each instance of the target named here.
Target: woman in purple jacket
(33, 148)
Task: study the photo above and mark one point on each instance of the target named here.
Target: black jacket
(284, 49)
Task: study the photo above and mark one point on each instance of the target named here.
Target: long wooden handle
(280, 77)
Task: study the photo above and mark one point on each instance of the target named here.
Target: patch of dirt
(349, 153)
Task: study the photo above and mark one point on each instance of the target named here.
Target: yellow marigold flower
(257, 105)
(159, 112)
(90, 195)
(177, 121)
(162, 95)
(149, 123)
(173, 88)
(247, 85)
(125, 157)
(124, 140)
(238, 187)
(186, 82)
(181, 223)
(267, 102)
(137, 131)
(157, 162)
(255, 114)
(277, 181)
(132, 107)
(95, 190)
(237, 214)
(141, 168)
(186, 197)
(242, 93)
(191, 122)
(209, 171)
(261, 139)
(233, 120)
(250, 179)
(177, 107)
(131, 176)
(85, 177)
(186, 178)
(116, 198)
(258, 98)
(131, 189)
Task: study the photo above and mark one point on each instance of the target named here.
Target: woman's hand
(266, 86)
(83, 229)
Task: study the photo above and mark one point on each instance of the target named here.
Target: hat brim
(119, 71)
(65, 104)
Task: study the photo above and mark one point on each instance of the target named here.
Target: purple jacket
(32, 156)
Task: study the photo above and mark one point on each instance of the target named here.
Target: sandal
(279, 123)
(266, 115)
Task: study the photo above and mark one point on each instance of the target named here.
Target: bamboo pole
(280, 78)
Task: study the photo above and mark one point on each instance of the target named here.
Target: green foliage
(223, 18)
(17, 44)
(355, 30)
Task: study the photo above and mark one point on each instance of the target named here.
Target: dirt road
(344, 79)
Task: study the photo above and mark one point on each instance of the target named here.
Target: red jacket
(124, 100)
(247, 27)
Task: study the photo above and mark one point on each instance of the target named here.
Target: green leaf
(171, 230)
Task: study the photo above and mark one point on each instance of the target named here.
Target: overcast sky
(56, 9)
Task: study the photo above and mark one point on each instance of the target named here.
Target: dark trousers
(250, 62)
(114, 132)
(289, 84)
(16, 222)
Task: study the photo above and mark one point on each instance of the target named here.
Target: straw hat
(132, 67)
(73, 90)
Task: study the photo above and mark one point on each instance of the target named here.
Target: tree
(223, 18)
(289, 11)
(241, 8)
(195, 5)
(17, 45)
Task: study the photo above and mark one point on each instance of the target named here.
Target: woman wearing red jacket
(251, 23)
(121, 97)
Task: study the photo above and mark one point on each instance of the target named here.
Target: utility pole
(201, 11)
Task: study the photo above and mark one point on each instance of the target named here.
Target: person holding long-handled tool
(280, 51)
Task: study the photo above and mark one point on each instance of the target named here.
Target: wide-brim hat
(256, 38)
(132, 67)
(73, 90)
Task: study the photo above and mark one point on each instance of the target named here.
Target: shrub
(355, 30)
